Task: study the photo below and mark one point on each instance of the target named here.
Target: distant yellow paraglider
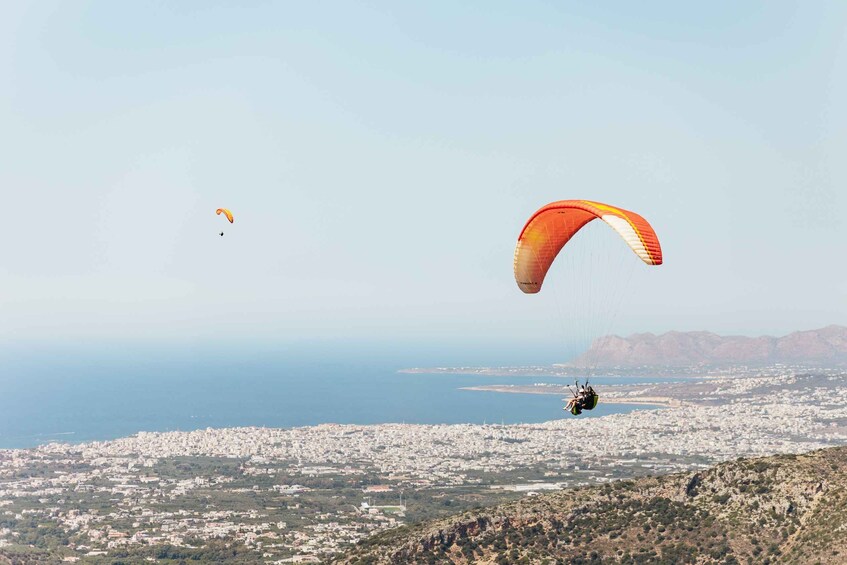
(225, 212)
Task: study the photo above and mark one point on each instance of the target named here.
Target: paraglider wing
(551, 227)
(225, 212)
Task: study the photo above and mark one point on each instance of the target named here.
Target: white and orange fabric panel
(551, 227)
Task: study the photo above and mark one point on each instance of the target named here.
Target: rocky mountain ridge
(781, 509)
(822, 347)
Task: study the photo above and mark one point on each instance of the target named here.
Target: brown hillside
(783, 509)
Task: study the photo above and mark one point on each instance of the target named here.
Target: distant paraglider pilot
(585, 398)
(227, 214)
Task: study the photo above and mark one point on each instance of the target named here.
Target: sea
(93, 394)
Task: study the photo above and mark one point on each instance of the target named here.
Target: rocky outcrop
(826, 346)
(785, 509)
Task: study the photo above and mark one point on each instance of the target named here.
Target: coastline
(555, 371)
(661, 401)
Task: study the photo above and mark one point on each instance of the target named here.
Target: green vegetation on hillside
(779, 509)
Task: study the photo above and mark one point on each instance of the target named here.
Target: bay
(71, 397)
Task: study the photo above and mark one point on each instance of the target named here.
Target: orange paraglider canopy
(225, 212)
(551, 227)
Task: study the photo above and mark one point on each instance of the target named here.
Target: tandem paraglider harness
(584, 398)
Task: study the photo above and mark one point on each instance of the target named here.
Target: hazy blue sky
(381, 158)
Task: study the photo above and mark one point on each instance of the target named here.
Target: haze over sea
(73, 395)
